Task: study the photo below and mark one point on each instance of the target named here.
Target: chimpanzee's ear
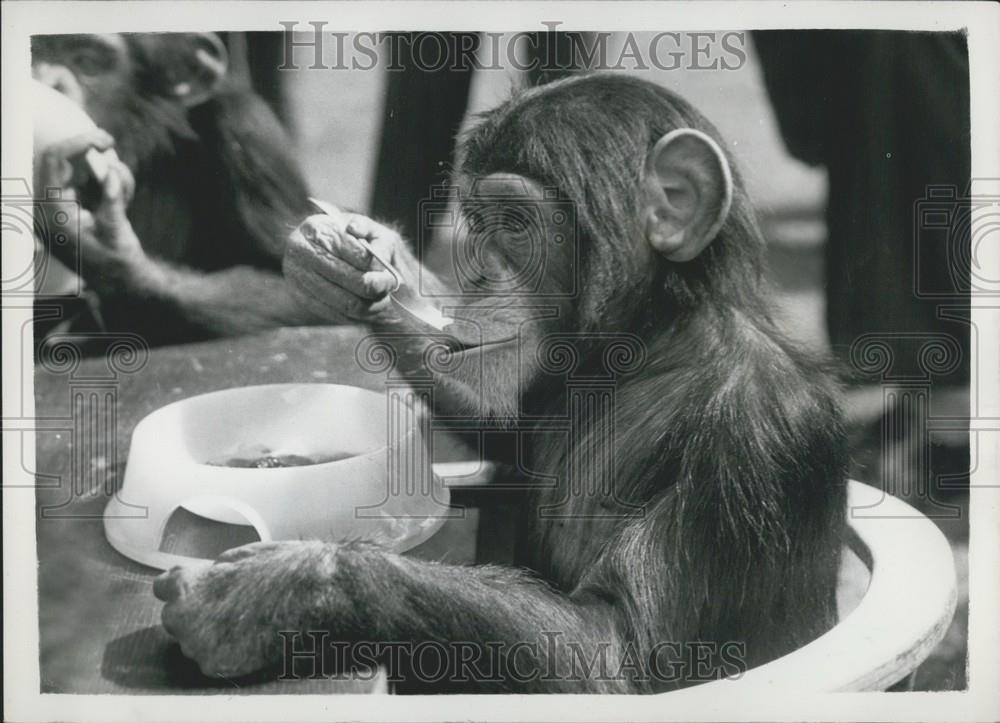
(201, 66)
(687, 192)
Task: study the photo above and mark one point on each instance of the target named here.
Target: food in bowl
(271, 461)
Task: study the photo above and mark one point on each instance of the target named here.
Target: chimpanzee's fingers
(176, 582)
(318, 229)
(377, 283)
(166, 587)
(330, 301)
(327, 232)
(368, 228)
(244, 551)
(338, 301)
(127, 181)
(87, 224)
(82, 142)
(119, 186)
(382, 239)
(344, 275)
(169, 620)
(313, 292)
(53, 171)
(110, 218)
(295, 268)
(369, 285)
(114, 190)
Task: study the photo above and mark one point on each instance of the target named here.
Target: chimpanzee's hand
(103, 238)
(227, 615)
(332, 275)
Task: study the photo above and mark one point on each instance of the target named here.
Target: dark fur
(728, 445)
(217, 190)
(729, 438)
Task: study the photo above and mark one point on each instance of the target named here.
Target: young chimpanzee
(216, 188)
(723, 522)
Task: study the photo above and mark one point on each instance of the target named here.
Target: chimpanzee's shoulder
(237, 111)
(243, 141)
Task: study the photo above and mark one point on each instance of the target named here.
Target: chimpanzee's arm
(246, 196)
(542, 639)
(254, 176)
(171, 304)
(496, 628)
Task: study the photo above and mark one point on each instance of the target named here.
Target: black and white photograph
(424, 360)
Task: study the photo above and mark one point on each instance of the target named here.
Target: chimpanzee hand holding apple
(101, 235)
(76, 163)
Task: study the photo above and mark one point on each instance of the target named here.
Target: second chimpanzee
(723, 522)
(198, 251)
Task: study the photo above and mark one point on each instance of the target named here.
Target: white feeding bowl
(381, 490)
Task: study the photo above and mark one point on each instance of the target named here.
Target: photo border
(23, 702)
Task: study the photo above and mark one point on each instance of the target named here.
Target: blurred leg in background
(254, 59)
(887, 113)
(423, 111)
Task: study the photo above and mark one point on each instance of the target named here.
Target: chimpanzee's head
(137, 86)
(658, 225)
